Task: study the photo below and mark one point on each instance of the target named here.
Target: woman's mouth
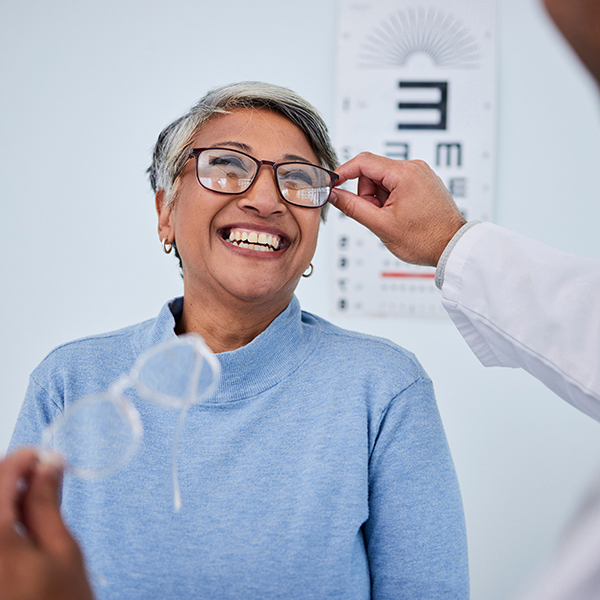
(259, 241)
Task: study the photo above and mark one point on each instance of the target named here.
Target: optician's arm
(39, 559)
(515, 301)
(519, 303)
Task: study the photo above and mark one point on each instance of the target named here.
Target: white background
(86, 88)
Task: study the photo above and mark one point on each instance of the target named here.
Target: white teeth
(260, 242)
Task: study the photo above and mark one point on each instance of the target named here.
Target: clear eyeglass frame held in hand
(100, 433)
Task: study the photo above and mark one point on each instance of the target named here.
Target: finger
(369, 189)
(41, 509)
(366, 187)
(378, 169)
(382, 195)
(367, 211)
(14, 470)
(440, 182)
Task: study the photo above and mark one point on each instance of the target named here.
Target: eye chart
(415, 80)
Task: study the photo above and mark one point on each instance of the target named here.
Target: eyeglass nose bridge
(259, 165)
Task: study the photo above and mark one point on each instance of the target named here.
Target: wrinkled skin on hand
(40, 560)
(404, 203)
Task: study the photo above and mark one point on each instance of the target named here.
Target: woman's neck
(226, 326)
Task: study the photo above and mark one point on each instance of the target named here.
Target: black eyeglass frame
(195, 152)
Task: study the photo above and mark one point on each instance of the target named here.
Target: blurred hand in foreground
(39, 559)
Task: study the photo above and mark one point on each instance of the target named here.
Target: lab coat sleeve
(519, 303)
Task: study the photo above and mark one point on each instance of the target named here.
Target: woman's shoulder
(122, 344)
(365, 351)
(116, 349)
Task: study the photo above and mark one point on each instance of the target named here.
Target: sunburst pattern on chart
(430, 32)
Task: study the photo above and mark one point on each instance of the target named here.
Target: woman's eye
(232, 162)
(296, 177)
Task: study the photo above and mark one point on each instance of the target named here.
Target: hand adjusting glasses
(228, 171)
(100, 433)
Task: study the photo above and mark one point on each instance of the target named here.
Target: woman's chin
(263, 295)
(257, 287)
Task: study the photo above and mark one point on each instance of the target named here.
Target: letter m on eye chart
(415, 80)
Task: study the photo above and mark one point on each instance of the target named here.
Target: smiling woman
(319, 468)
(239, 287)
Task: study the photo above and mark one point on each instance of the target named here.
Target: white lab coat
(519, 303)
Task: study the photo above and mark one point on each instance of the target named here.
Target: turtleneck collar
(265, 361)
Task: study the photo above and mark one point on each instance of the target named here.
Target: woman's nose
(263, 197)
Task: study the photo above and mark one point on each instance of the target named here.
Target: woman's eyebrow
(297, 158)
(248, 150)
(238, 145)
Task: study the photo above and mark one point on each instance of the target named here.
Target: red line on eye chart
(408, 275)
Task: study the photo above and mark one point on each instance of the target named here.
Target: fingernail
(333, 198)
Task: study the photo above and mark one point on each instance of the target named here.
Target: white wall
(87, 86)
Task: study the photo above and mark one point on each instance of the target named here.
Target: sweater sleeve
(415, 534)
(40, 407)
(519, 303)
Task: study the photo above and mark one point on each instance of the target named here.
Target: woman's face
(201, 221)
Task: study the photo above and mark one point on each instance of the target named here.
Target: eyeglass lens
(176, 374)
(99, 434)
(232, 172)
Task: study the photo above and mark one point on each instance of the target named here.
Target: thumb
(15, 470)
(41, 509)
(360, 209)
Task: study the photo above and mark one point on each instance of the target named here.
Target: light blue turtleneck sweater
(318, 470)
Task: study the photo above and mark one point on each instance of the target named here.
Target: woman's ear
(165, 221)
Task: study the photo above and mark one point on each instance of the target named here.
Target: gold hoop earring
(310, 271)
(167, 247)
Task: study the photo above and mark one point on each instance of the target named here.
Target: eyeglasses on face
(228, 171)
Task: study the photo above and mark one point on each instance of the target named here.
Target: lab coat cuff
(441, 266)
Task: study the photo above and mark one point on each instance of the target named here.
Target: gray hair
(176, 140)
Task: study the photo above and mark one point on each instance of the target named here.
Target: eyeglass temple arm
(120, 384)
(189, 154)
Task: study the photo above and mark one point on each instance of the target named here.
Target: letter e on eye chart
(415, 79)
